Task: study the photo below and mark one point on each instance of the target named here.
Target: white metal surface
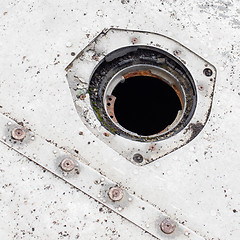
(89, 181)
(37, 205)
(80, 72)
(196, 185)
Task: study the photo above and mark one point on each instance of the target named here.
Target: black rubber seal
(133, 55)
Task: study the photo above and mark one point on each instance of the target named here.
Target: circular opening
(142, 93)
(138, 158)
(145, 105)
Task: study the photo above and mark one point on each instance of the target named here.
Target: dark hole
(145, 105)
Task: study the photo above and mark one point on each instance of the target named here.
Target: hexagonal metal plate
(79, 73)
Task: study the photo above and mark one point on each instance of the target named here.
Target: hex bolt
(208, 72)
(115, 193)
(168, 226)
(138, 158)
(18, 133)
(67, 165)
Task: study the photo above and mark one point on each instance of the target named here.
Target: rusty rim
(143, 70)
(141, 61)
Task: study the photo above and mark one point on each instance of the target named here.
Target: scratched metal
(196, 185)
(89, 181)
(81, 69)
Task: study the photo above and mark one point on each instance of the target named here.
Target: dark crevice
(145, 105)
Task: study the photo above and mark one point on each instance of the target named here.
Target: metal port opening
(144, 100)
(142, 93)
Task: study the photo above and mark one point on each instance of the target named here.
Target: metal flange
(201, 74)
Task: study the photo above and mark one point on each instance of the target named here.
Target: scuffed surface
(196, 185)
(36, 205)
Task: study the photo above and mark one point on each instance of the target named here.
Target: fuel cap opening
(142, 93)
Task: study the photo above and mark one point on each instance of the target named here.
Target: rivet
(138, 158)
(129, 199)
(9, 124)
(32, 138)
(208, 72)
(82, 97)
(4, 138)
(18, 133)
(115, 193)
(168, 226)
(67, 165)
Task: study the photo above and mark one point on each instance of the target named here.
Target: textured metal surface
(90, 182)
(81, 71)
(196, 185)
(37, 205)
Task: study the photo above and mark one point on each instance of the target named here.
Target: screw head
(168, 226)
(138, 158)
(67, 165)
(18, 133)
(115, 193)
(208, 72)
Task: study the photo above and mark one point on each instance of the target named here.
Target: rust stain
(152, 147)
(179, 94)
(82, 97)
(148, 73)
(164, 130)
(110, 107)
(106, 134)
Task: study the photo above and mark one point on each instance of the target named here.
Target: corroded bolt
(115, 193)
(82, 97)
(168, 226)
(67, 165)
(18, 133)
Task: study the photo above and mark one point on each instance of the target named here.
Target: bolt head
(208, 72)
(67, 165)
(168, 226)
(18, 133)
(138, 158)
(115, 194)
